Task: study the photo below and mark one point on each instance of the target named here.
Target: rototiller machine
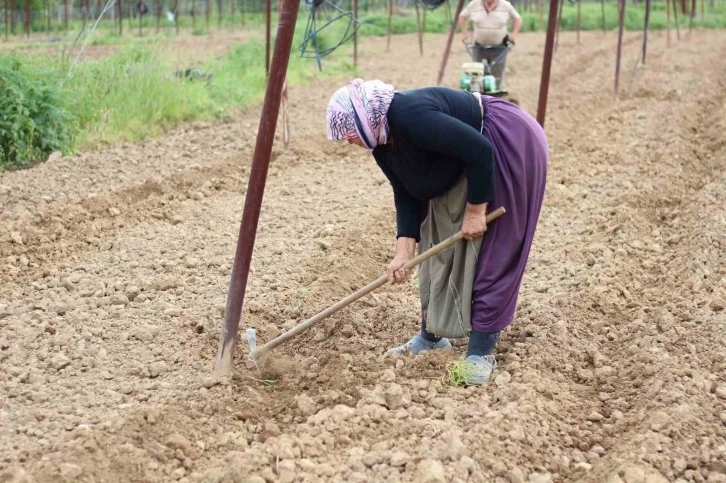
(477, 76)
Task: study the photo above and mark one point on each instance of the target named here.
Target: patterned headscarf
(359, 109)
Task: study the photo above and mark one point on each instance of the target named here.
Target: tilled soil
(115, 268)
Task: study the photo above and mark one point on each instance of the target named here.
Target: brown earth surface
(115, 266)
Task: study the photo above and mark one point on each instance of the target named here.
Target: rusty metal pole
(268, 20)
(390, 20)
(27, 18)
(668, 22)
(544, 84)
(621, 24)
(559, 26)
(285, 119)
(423, 23)
(418, 24)
(256, 186)
(355, 34)
(445, 57)
(645, 28)
(285, 103)
(579, 2)
(675, 20)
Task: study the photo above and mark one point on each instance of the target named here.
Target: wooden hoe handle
(303, 326)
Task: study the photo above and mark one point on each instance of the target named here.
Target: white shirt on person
(490, 27)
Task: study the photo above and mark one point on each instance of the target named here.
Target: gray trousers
(479, 53)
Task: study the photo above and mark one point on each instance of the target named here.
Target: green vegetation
(136, 94)
(591, 17)
(130, 95)
(34, 118)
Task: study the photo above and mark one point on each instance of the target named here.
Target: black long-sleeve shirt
(436, 138)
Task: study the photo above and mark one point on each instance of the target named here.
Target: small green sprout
(265, 382)
(458, 373)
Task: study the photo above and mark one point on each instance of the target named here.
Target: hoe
(257, 352)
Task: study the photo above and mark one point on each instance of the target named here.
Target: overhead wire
(313, 44)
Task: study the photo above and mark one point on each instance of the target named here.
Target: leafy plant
(34, 120)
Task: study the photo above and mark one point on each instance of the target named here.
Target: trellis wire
(109, 4)
(311, 30)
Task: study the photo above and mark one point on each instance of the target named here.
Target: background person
(490, 19)
(451, 154)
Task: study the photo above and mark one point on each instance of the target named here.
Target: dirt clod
(515, 475)
(430, 471)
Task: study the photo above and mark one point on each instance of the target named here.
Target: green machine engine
(477, 76)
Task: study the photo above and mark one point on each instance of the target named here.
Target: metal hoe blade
(252, 342)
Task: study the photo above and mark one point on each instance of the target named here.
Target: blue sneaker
(480, 369)
(417, 344)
